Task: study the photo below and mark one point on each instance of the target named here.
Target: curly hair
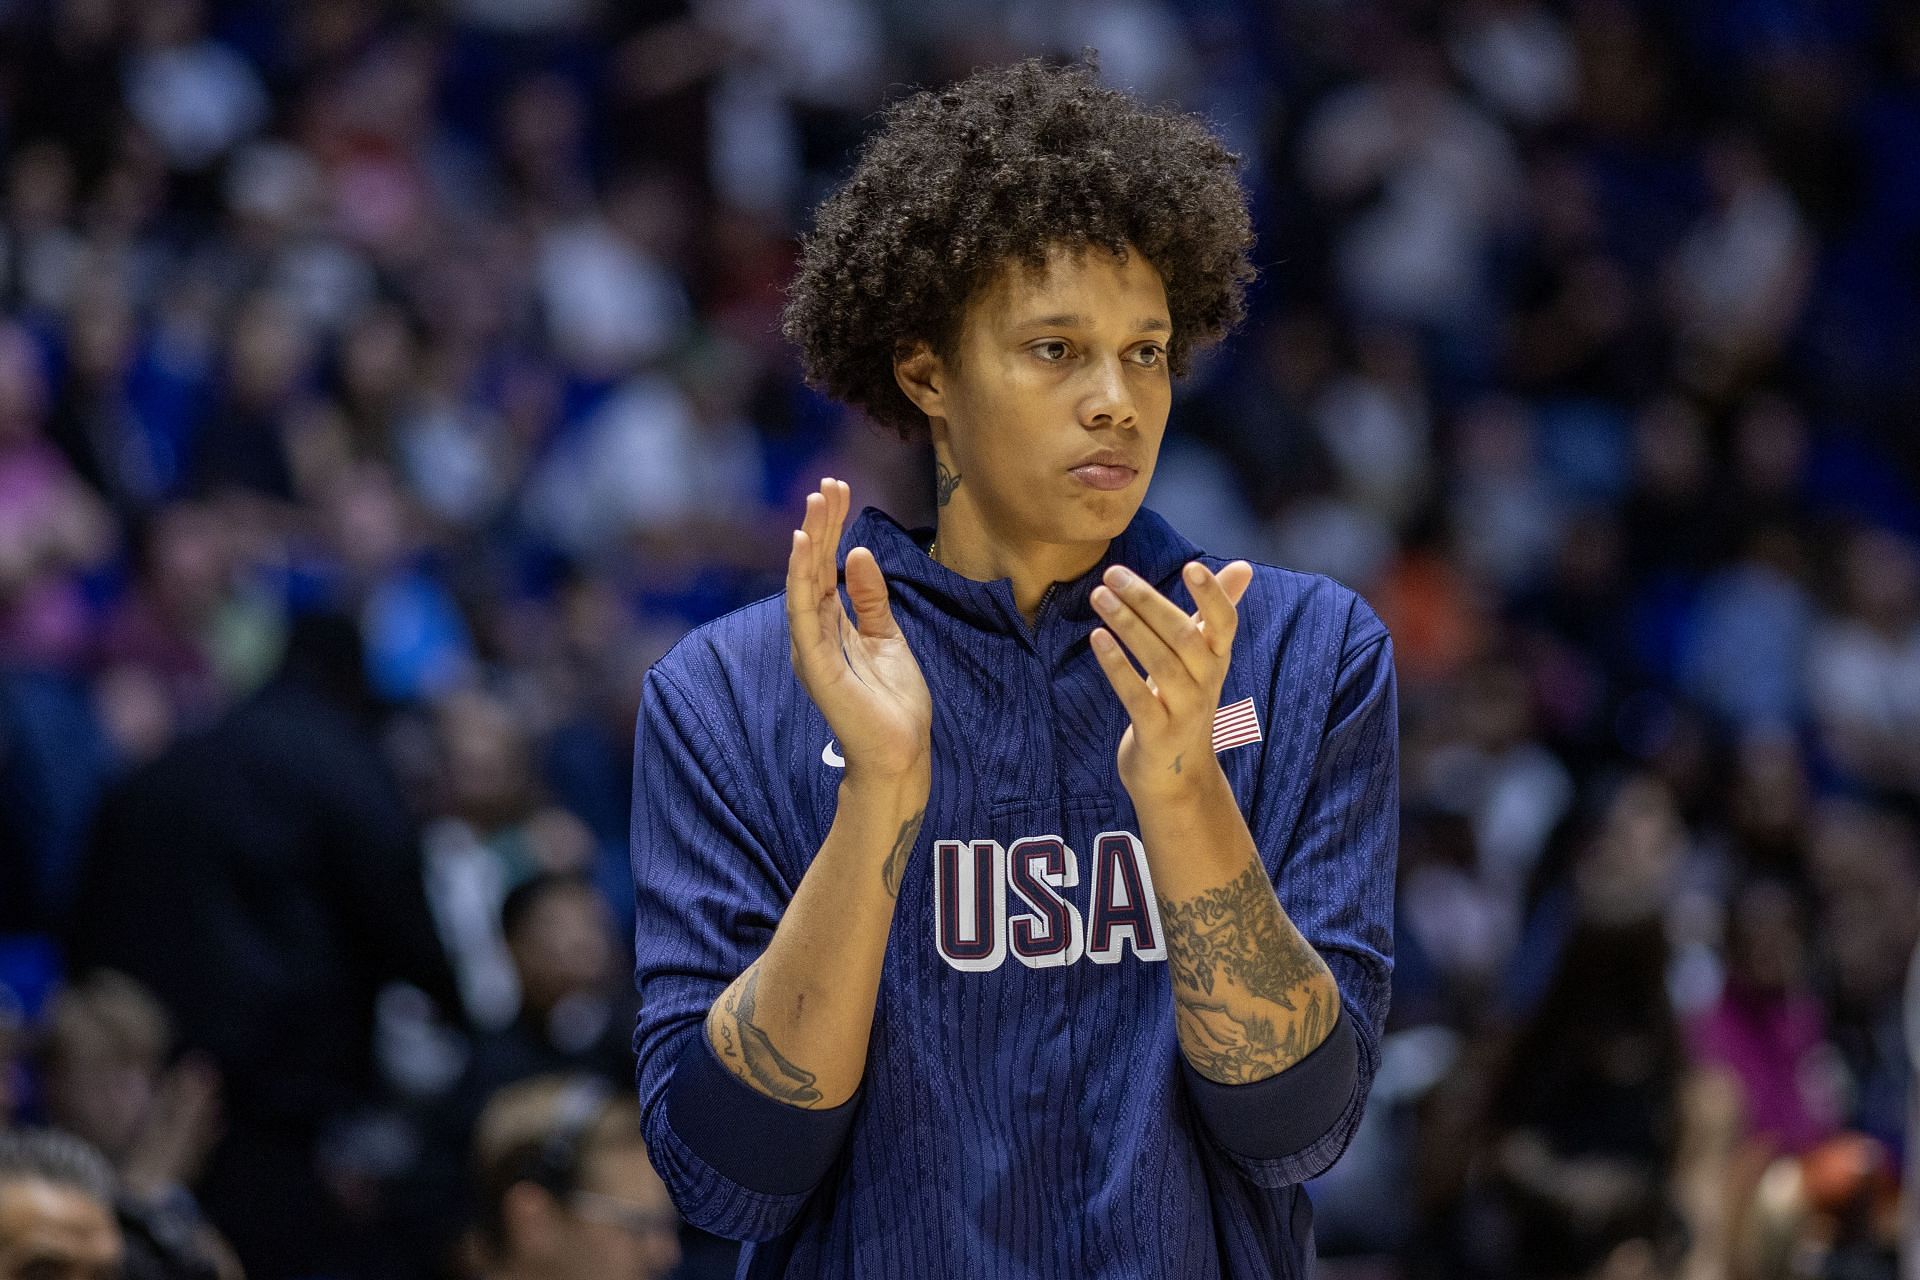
(1000, 167)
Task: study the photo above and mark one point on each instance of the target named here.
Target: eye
(1052, 351)
(1150, 355)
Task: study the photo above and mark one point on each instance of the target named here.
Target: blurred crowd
(384, 386)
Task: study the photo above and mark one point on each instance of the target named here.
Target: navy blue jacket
(1026, 1110)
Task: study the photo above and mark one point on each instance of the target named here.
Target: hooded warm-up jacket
(1026, 1110)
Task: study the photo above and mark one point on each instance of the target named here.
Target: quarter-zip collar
(1148, 545)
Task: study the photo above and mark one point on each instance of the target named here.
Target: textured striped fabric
(1030, 1118)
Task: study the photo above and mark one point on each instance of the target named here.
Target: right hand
(859, 670)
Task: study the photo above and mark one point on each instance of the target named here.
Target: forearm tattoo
(895, 868)
(744, 1046)
(945, 482)
(1224, 946)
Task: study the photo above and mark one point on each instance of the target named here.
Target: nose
(1106, 400)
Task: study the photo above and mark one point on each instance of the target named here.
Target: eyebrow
(1152, 324)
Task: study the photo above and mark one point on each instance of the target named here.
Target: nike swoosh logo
(832, 757)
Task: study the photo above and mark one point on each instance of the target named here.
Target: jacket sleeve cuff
(1285, 1113)
(763, 1144)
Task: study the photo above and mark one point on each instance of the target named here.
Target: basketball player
(1014, 895)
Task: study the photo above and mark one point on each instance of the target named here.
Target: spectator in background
(492, 831)
(1864, 864)
(104, 1078)
(1767, 1031)
(56, 1210)
(1421, 180)
(571, 1017)
(656, 467)
(1504, 516)
(264, 880)
(565, 1191)
(1594, 1190)
(245, 443)
(53, 759)
(52, 526)
(189, 636)
(196, 97)
(560, 935)
(1626, 854)
(419, 644)
(1864, 664)
(1739, 277)
(117, 449)
(1744, 654)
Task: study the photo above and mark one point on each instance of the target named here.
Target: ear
(922, 376)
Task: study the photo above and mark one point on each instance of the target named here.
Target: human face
(50, 1232)
(563, 947)
(1052, 409)
(623, 1223)
(100, 1090)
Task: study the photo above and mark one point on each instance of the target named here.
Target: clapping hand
(858, 670)
(1185, 657)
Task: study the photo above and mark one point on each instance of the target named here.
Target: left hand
(1185, 657)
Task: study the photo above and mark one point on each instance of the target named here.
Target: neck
(972, 548)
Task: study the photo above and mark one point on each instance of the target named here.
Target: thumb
(867, 589)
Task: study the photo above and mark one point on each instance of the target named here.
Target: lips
(1097, 476)
(1108, 469)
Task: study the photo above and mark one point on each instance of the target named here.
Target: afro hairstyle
(1002, 167)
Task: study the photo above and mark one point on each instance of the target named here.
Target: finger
(1217, 619)
(1163, 666)
(815, 527)
(803, 600)
(1168, 621)
(867, 588)
(810, 525)
(820, 522)
(837, 499)
(1142, 707)
(1236, 577)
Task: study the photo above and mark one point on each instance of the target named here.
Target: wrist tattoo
(944, 483)
(894, 870)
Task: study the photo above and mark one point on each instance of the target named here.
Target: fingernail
(1119, 576)
(1102, 599)
(1196, 573)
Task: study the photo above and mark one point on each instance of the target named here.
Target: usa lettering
(991, 900)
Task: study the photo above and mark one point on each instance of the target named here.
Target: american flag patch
(1235, 725)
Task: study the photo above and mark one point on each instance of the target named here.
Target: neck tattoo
(944, 483)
